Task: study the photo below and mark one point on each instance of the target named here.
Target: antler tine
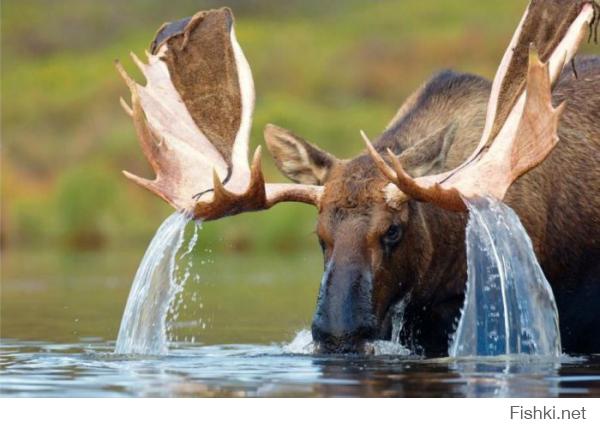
(221, 195)
(404, 181)
(397, 175)
(154, 186)
(449, 199)
(144, 182)
(149, 147)
(381, 164)
(257, 179)
(256, 185)
(226, 203)
(138, 62)
(131, 84)
(144, 134)
(126, 107)
(136, 112)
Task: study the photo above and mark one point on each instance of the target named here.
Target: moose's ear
(296, 158)
(428, 156)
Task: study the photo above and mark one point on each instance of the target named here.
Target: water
(156, 284)
(61, 314)
(509, 305)
(90, 369)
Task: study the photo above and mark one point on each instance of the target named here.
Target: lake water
(237, 334)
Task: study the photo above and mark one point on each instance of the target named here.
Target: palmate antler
(193, 122)
(521, 123)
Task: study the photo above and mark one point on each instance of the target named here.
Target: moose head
(379, 214)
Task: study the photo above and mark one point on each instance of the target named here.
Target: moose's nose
(344, 318)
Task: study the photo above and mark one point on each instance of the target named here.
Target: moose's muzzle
(344, 319)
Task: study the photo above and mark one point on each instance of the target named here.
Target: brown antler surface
(193, 120)
(521, 123)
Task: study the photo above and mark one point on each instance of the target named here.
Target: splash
(509, 306)
(156, 284)
(301, 344)
(388, 348)
(303, 341)
(394, 346)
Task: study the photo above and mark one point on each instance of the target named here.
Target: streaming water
(509, 306)
(156, 284)
(247, 349)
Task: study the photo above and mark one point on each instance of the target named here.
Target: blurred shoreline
(322, 69)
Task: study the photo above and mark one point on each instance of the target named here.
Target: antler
(521, 123)
(193, 120)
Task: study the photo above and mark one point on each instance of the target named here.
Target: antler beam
(193, 120)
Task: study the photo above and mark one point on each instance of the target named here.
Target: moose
(391, 221)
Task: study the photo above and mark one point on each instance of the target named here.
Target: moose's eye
(392, 236)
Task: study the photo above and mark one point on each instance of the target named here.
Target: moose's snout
(344, 318)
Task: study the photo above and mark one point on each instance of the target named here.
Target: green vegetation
(323, 69)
